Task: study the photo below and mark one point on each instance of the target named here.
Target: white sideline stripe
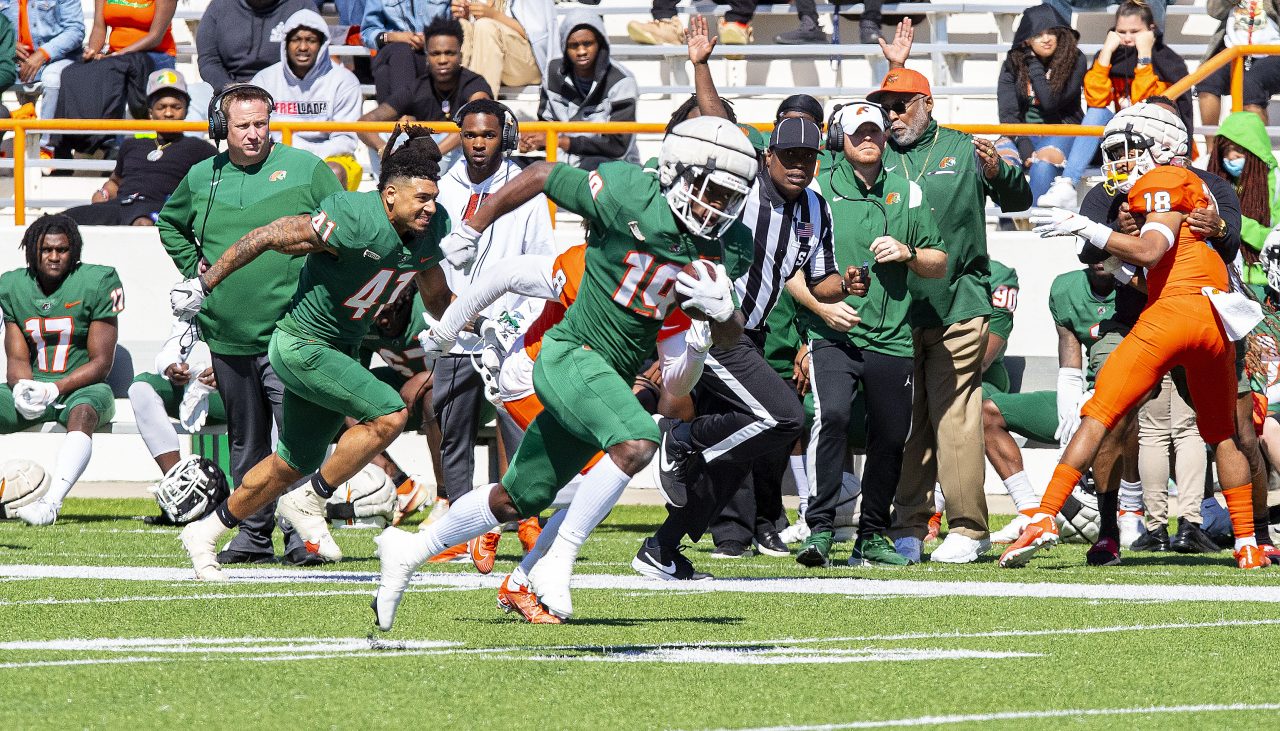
(1016, 715)
(784, 656)
(206, 597)
(815, 586)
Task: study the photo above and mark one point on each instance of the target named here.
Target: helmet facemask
(1125, 158)
(707, 202)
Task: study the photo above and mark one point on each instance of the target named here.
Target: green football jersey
(56, 326)
(1004, 298)
(403, 354)
(635, 249)
(1075, 307)
(338, 293)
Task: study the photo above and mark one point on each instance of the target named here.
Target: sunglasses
(900, 107)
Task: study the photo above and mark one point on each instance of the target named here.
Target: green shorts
(322, 385)
(96, 395)
(171, 395)
(586, 407)
(996, 379)
(1034, 415)
(1102, 350)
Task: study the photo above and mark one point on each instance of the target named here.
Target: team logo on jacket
(946, 162)
(892, 198)
(278, 175)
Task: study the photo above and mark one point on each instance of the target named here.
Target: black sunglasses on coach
(900, 107)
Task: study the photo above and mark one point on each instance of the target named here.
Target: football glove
(432, 346)
(459, 246)
(1059, 222)
(1071, 396)
(194, 408)
(698, 337)
(31, 398)
(712, 296)
(186, 298)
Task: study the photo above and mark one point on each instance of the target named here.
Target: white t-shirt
(1249, 24)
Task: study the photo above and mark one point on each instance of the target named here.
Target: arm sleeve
(323, 182)
(924, 227)
(1146, 84)
(539, 237)
(1229, 210)
(70, 37)
(1097, 86)
(6, 309)
(338, 226)
(176, 233)
(622, 97)
(577, 190)
(212, 70)
(108, 298)
(681, 365)
(1054, 104)
(528, 276)
(822, 262)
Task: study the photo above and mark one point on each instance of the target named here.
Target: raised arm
(523, 188)
(701, 44)
(528, 276)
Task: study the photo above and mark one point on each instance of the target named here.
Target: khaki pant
(946, 445)
(499, 54)
(1167, 428)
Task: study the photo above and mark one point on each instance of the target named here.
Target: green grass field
(102, 626)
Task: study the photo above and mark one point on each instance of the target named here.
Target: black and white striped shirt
(786, 233)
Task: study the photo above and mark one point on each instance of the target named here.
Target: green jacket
(8, 53)
(1247, 130)
(943, 162)
(239, 316)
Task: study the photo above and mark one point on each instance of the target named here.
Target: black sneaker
(231, 556)
(731, 549)
(1191, 539)
(769, 544)
(808, 32)
(1153, 540)
(869, 32)
(658, 562)
(676, 465)
(300, 556)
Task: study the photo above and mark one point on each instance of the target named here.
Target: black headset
(836, 133)
(510, 125)
(218, 118)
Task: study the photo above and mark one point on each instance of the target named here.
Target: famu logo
(278, 175)
(890, 79)
(946, 162)
(892, 198)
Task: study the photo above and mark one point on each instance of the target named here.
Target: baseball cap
(166, 79)
(903, 81)
(801, 103)
(795, 132)
(855, 114)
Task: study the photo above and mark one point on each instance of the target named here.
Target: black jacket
(1014, 101)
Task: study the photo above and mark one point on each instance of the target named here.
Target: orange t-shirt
(130, 20)
(1191, 264)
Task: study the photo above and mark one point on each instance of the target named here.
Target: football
(21, 482)
(695, 271)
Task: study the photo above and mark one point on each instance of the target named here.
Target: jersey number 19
(655, 282)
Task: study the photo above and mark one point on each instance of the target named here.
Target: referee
(749, 417)
(221, 199)
(884, 228)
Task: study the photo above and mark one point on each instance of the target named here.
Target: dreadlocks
(1251, 187)
(1060, 64)
(690, 105)
(418, 157)
(43, 226)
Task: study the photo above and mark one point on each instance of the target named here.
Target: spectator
(238, 38)
(1134, 64)
(148, 168)
(1242, 156)
(435, 94)
(585, 86)
(49, 37)
(1040, 83)
(666, 29)
(394, 30)
(809, 32)
(307, 86)
(511, 48)
(1244, 22)
(1064, 8)
(1167, 429)
(8, 66)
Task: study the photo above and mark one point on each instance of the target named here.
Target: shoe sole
(414, 505)
(1022, 556)
(813, 559)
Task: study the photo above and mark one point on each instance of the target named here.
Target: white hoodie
(329, 93)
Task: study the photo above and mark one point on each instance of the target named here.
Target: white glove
(1059, 222)
(698, 337)
(32, 398)
(1071, 396)
(459, 246)
(1073, 424)
(712, 296)
(194, 408)
(432, 346)
(186, 299)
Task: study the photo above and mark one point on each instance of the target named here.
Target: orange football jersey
(1191, 264)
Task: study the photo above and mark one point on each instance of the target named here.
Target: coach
(949, 316)
(221, 199)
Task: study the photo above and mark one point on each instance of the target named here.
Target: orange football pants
(523, 410)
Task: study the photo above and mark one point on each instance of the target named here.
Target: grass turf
(109, 652)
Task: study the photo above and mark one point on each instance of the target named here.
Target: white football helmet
(1079, 521)
(22, 482)
(1137, 140)
(709, 162)
(190, 489)
(367, 500)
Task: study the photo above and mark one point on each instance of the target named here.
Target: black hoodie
(1053, 108)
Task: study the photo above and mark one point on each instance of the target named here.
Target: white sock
(597, 495)
(520, 577)
(1019, 487)
(939, 500)
(1130, 496)
(74, 456)
(153, 423)
(467, 518)
(802, 481)
(1242, 542)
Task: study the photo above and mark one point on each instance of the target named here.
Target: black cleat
(769, 544)
(1153, 540)
(231, 556)
(659, 562)
(1191, 539)
(300, 556)
(731, 549)
(676, 466)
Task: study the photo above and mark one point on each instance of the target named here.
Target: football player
(60, 326)
(643, 230)
(362, 249)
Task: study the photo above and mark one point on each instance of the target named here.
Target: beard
(912, 132)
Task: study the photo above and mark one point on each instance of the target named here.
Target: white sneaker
(1010, 533)
(549, 579)
(200, 539)
(797, 532)
(959, 549)
(304, 510)
(1062, 194)
(1131, 527)
(41, 512)
(397, 552)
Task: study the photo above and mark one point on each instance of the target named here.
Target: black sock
(670, 533)
(1261, 532)
(224, 515)
(1108, 504)
(322, 488)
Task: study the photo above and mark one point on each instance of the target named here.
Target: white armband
(1161, 229)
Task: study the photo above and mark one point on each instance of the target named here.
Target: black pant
(458, 395)
(396, 65)
(252, 395)
(746, 411)
(757, 507)
(740, 11)
(835, 372)
(114, 212)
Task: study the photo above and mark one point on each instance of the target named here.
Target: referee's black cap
(795, 132)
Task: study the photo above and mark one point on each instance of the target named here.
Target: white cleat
(1010, 533)
(304, 510)
(797, 532)
(397, 551)
(1131, 527)
(40, 512)
(549, 579)
(201, 542)
(959, 549)
(1062, 194)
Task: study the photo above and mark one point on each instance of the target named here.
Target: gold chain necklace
(158, 153)
(927, 158)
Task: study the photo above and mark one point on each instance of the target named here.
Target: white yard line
(206, 597)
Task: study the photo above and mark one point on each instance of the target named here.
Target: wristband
(912, 250)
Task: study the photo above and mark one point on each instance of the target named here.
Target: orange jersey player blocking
(682, 349)
(1188, 302)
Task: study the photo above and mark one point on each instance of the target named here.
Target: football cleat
(935, 524)
(549, 579)
(516, 598)
(410, 497)
(1106, 552)
(395, 552)
(1131, 527)
(660, 562)
(956, 548)
(1010, 532)
(1042, 532)
(303, 509)
(528, 532)
(1251, 557)
(484, 550)
(816, 551)
(200, 539)
(41, 512)
(439, 507)
(453, 554)
(1271, 552)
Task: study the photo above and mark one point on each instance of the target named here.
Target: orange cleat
(410, 497)
(528, 532)
(1041, 532)
(484, 550)
(519, 599)
(935, 523)
(1251, 557)
(450, 555)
